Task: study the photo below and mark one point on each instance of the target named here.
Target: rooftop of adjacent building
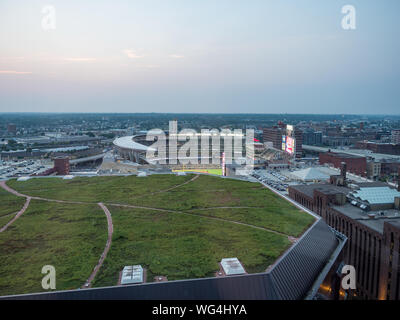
(379, 143)
(376, 223)
(373, 218)
(308, 189)
(355, 152)
(345, 155)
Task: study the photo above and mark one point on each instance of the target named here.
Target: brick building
(275, 134)
(373, 246)
(376, 147)
(355, 164)
(389, 168)
(61, 165)
(12, 128)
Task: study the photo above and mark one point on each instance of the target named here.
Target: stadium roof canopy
(128, 143)
(310, 174)
(377, 195)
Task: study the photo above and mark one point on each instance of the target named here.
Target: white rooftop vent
(23, 178)
(132, 274)
(232, 266)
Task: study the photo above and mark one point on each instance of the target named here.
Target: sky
(199, 56)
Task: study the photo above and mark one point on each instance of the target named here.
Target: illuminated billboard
(284, 143)
(290, 145)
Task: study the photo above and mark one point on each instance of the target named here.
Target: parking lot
(9, 169)
(272, 178)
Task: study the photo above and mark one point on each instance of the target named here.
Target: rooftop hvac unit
(232, 266)
(132, 274)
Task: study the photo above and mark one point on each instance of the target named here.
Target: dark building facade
(390, 275)
(385, 148)
(355, 164)
(275, 134)
(61, 165)
(389, 168)
(312, 138)
(373, 245)
(298, 135)
(11, 128)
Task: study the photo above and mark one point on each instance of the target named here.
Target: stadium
(193, 151)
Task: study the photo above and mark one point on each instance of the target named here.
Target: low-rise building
(368, 214)
(396, 137)
(355, 164)
(379, 147)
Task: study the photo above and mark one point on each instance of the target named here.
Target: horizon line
(205, 113)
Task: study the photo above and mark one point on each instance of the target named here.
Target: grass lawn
(69, 237)
(291, 222)
(96, 189)
(261, 206)
(182, 246)
(5, 219)
(9, 203)
(176, 245)
(209, 191)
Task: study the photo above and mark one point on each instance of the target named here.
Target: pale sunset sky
(225, 56)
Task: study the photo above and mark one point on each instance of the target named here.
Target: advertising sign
(284, 143)
(290, 144)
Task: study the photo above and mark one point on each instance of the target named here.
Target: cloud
(176, 56)
(151, 66)
(131, 54)
(14, 72)
(80, 59)
(148, 66)
(12, 58)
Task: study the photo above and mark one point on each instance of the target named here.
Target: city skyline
(208, 57)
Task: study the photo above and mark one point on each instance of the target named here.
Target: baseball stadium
(205, 155)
